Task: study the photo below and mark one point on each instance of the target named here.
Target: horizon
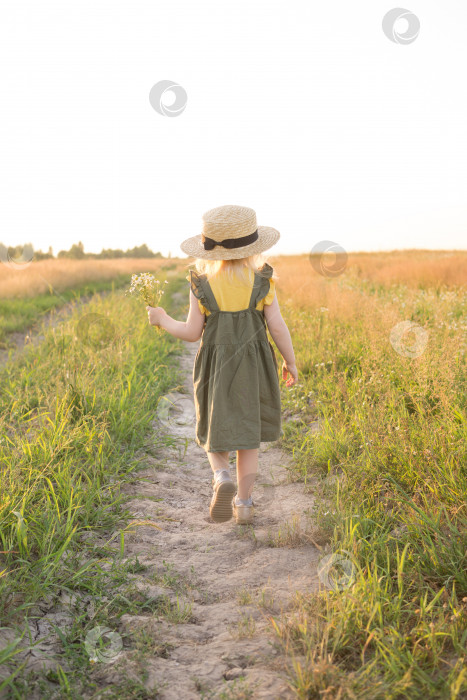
(267, 253)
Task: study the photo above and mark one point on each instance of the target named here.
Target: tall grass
(27, 313)
(28, 294)
(389, 472)
(73, 412)
(416, 269)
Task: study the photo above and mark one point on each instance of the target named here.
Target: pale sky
(304, 111)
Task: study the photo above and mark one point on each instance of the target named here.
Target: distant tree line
(76, 252)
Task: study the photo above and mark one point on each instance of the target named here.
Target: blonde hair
(235, 267)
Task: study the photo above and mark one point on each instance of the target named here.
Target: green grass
(20, 314)
(391, 453)
(74, 411)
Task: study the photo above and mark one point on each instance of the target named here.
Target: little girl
(235, 374)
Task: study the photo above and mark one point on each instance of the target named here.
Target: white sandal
(244, 512)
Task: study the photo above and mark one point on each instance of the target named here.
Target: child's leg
(247, 466)
(218, 460)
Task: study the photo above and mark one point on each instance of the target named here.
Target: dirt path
(233, 578)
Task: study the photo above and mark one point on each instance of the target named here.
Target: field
(376, 429)
(391, 452)
(27, 294)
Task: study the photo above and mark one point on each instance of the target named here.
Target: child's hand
(292, 370)
(155, 315)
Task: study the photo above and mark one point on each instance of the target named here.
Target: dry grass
(380, 290)
(395, 426)
(58, 275)
(413, 269)
(297, 278)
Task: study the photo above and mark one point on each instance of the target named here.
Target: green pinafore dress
(235, 374)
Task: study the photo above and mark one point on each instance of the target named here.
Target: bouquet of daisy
(146, 287)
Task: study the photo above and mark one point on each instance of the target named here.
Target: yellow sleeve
(200, 306)
(269, 298)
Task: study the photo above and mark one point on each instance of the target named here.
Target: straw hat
(230, 232)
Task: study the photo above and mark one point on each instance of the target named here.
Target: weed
(244, 597)
(239, 689)
(245, 627)
(176, 612)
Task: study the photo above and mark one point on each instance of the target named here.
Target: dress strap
(202, 291)
(260, 285)
(213, 306)
(255, 291)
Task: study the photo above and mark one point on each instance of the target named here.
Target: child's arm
(190, 330)
(281, 336)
